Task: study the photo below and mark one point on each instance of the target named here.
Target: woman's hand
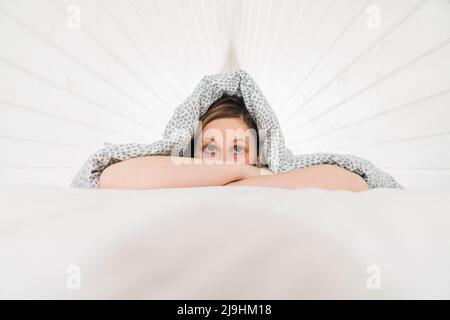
(253, 171)
(323, 176)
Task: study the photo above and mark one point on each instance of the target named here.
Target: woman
(224, 152)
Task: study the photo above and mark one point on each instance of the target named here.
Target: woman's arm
(154, 172)
(323, 176)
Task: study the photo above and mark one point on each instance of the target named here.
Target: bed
(223, 243)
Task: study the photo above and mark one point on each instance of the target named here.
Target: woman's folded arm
(323, 176)
(152, 172)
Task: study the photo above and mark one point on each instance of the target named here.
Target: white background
(369, 78)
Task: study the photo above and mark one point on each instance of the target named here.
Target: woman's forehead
(225, 124)
(235, 134)
(227, 130)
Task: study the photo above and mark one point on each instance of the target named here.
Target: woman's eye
(210, 149)
(238, 149)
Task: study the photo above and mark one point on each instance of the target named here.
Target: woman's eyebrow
(206, 140)
(245, 141)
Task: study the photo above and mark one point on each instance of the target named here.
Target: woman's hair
(229, 107)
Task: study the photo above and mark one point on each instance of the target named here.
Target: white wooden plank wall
(369, 78)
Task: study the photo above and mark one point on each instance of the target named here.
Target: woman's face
(227, 139)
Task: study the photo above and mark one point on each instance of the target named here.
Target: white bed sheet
(223, 243)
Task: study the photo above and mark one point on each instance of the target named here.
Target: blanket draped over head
(185, 121)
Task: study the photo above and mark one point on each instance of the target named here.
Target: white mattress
(223, 243)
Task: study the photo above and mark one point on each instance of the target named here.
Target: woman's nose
(226, 156)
